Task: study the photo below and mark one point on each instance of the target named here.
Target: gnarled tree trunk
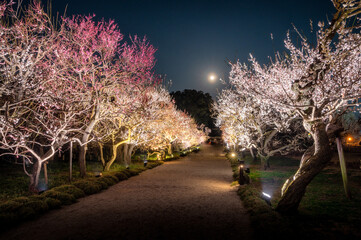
(34, 178)
(264, 161)
(317, 158)
(128, 154)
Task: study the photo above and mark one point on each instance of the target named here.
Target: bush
(36, 197)
(127, 172)
(10, 206)
(154, 164)
(121, 176)
(112, 179)
(52, 203)
(39, 206)
(134, 172)
(21, 200)
(102, 182)
(63, 197)
(70, 189)
(25, 213)
(17, 209)
(88, 186)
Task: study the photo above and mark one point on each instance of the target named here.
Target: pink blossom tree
(98, 70)
(313, 81)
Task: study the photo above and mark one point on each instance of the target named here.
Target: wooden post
(71, 161)
(343, 167)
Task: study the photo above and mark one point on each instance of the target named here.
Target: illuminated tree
(99, 70)
(248, 124)
(313, 81)
(34, 121)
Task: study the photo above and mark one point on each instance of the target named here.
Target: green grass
(324, 211)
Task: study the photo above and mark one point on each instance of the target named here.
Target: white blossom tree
(35, 121)
(313, 81)
(247, 124)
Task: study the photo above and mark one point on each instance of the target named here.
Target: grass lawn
(324, 212)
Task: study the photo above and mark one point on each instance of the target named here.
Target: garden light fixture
(267, 198)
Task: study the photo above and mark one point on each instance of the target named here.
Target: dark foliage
(197, 104)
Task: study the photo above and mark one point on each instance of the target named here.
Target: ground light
(243, 177)
(266, 197)
(349, 139)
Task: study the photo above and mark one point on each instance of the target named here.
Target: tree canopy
(197, 104)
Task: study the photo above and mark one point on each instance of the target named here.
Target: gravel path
(190, 198)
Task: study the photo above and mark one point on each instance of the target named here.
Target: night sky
(195, 38)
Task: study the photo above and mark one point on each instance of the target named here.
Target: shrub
(121, 176)
(150, 166)
(52, 203)
(127, 172)
(70, 189)
(102, 182)
(134, 172)
(154, 164)
(39, 206)
(88, 186)
(112, 179)
(10, 206)
(141, 169)
(21, 200)
(25, 213)
(63, 197)
(36, 197)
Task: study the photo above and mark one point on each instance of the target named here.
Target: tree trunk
(120, 154)
(264, 161)
(295, 187)
(170, 149)
(125, 151)
(84, 147)
(71, 162)
(34, 178)
(114, 155)
(343, 167)
(128, 154)
(41, 151)
(46, 173)
(82, 160)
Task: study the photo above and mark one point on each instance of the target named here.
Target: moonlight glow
(212, 78)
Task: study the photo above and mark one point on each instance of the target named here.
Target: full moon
(212, 78)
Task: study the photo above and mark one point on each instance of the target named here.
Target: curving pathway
(190, 198)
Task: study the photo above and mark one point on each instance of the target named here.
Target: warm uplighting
(349, 139)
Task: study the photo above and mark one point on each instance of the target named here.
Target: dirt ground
(190, 198)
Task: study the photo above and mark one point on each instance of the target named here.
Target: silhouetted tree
(197, 104)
